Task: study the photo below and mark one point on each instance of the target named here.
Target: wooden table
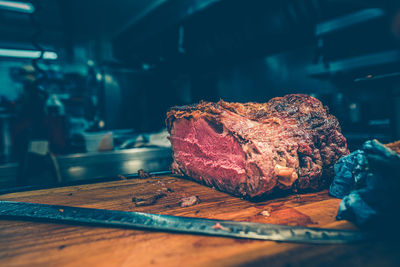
(50, 244)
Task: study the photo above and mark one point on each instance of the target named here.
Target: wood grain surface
(50, 244)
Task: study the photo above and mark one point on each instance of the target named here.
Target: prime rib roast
(253, 149)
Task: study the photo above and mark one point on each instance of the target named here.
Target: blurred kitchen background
(85, 84)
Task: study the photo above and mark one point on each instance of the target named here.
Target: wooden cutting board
(50, 244)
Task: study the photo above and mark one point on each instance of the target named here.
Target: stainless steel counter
(99, 165)
(83, 166)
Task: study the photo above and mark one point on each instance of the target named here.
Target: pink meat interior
(205, 151)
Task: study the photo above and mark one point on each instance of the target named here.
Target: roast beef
(253, 149)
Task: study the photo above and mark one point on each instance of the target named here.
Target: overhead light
(17, 6)
(27, 54)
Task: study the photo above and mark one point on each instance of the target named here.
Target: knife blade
(157, 222)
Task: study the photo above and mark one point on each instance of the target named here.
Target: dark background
(121, 64)
(163, 53)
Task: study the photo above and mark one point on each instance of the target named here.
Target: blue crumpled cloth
(368, 181)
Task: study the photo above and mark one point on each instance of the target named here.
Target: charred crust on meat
(217, 126)
(239, 138)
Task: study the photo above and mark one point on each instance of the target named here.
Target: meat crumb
(265, 213)
(189, 201)
(122, 177)
(218, 226)
(143, 174)
(147, 201)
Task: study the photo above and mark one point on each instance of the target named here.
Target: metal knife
(157, 222)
